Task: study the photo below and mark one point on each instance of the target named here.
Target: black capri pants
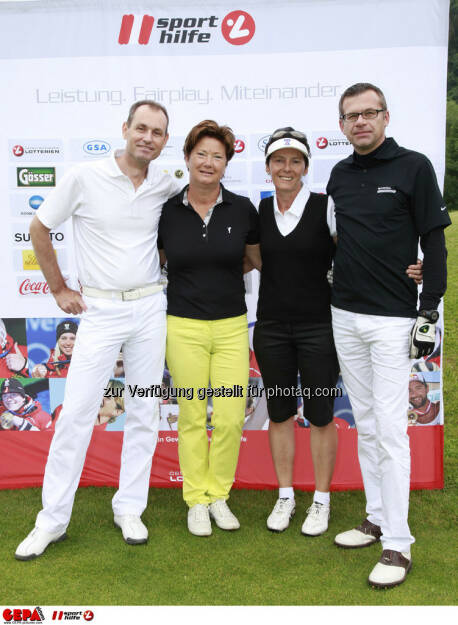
(282, 349)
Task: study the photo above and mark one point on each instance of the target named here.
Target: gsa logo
(263, 142)
(96, 147)
(35, 201)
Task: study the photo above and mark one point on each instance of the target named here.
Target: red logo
(239, 146)
(18, 150)
(238, 27)
(321, 143)
(126, 29)
(22, 616)
(27, 287)
(88, 615)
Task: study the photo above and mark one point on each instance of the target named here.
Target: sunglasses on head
(293, 133)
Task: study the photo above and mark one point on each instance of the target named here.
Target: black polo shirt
(384, 202)
(205, 263)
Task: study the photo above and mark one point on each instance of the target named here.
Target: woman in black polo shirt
(205, 232)
(293, 330)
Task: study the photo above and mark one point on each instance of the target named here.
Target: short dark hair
(153, 105)
(209, 128)
(357, 89)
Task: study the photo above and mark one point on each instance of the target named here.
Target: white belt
(126, 296)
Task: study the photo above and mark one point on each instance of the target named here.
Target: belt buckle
(130, 295)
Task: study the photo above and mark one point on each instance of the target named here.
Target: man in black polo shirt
(386, 200)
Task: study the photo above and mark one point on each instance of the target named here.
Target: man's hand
(70, 301)
(16, 361)
(423, 334)
(416, 272)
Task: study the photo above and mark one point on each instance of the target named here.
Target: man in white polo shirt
(115, 205)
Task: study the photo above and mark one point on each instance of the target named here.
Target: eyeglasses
(369, 114)
(294, 133)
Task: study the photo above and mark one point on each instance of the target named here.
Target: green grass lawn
(251, 566)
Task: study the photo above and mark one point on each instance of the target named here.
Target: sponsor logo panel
(240, 147)
(322, 169)
(329, 142)
(236, 173)
(36, 176)
(20, 234)
(178, 171)
(258, 144)
(25, 260)
(26, 205)
(32, 286)
(97, 147)
(259, 175)
(173, 149)
(36, 150)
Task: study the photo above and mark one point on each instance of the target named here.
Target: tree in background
(451, 150)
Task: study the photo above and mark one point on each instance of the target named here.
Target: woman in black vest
(293, 331)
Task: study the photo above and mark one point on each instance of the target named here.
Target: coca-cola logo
(29, 287)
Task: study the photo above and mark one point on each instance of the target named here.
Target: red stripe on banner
(126, 29)
(23, 459)
(145, 31)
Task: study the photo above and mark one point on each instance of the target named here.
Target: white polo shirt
(287, 221)
(114, 226)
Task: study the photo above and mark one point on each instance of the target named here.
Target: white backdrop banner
(70, 69)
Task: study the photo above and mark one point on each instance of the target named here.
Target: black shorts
(282, 349)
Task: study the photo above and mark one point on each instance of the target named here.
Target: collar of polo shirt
(114, 170)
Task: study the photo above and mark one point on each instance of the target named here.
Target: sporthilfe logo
(238, 28)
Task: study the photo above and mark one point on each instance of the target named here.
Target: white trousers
(140, 327)
(374, 361)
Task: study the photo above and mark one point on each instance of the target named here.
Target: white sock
(286, 492)
(324, 498)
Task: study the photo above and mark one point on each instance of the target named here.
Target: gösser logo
(36, 176)
(96, 147)
(321, 143)
(18, 150)
(239, 146)
(238, 27)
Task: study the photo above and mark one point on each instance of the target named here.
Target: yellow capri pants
(199, 352)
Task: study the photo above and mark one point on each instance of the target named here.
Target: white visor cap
(286, 142)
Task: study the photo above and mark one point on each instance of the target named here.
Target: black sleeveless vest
(294, 286)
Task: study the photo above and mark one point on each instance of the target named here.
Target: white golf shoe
(36, 543)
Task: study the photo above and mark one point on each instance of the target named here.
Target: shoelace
(315, 508)
(281, 505)
(222, 509)
(201, 514)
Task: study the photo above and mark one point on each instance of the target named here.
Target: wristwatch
(430, 315)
